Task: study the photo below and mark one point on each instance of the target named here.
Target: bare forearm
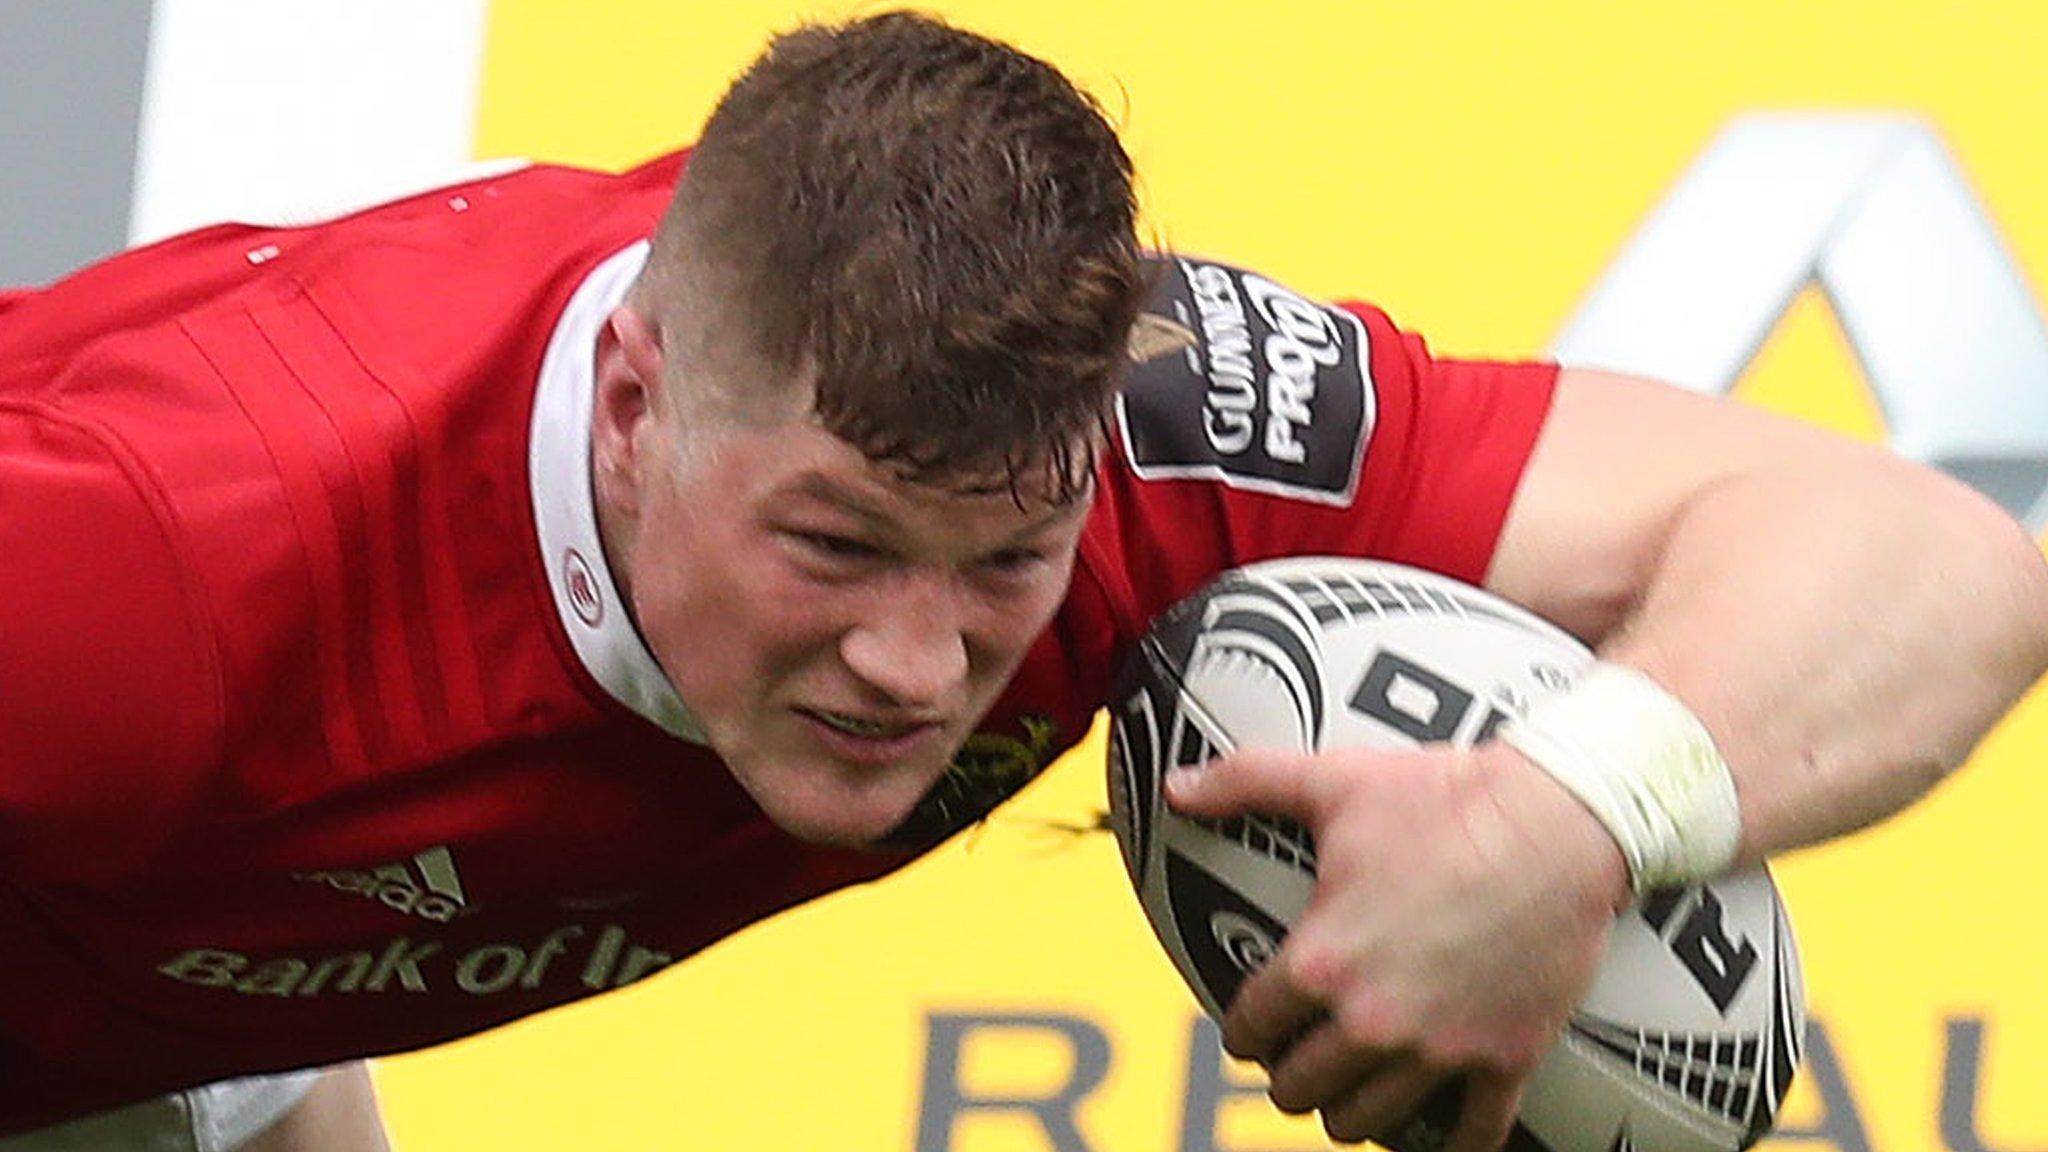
(338, 1115)
(1845, 685)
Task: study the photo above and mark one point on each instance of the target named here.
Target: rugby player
(432, 616)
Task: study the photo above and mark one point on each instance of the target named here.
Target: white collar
(564, 514)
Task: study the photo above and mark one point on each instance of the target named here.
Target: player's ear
(627, 400)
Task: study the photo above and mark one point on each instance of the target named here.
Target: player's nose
(911, 646)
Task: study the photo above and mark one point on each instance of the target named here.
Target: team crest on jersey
(1269, 391)
(987, 770)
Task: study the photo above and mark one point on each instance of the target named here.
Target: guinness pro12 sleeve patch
(1268, 391)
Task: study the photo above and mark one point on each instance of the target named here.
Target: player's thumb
(1274, 783)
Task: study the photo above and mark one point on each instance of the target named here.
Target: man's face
(837, 630)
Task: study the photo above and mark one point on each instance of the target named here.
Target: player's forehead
(837, 477)
(873, 455)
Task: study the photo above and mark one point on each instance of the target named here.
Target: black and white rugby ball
(1689, 1037)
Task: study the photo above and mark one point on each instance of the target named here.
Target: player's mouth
(869, 739)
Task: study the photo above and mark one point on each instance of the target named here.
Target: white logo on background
(1874, 211)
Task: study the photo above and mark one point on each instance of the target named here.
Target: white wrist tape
(1645, 765)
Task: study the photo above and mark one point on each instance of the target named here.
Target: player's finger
(1324, 1068)
(1268, 1015)
(1381, 1103)
(1488, 1115)
(1273, 783)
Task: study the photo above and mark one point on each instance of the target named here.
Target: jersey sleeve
(109, 697)
(1258, 424)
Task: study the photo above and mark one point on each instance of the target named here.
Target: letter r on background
(946, 1099)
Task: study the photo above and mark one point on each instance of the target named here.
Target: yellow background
(1473, 168)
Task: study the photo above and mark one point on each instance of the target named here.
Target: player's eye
(838, 547)
(1010, 561)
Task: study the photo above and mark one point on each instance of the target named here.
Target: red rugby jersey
(316, 737)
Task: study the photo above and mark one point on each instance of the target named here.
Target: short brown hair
(936, 225)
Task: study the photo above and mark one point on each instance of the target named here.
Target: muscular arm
(1846, 624)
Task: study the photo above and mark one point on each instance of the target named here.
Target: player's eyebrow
(827, 491)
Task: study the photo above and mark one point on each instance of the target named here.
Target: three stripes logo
(426, 886)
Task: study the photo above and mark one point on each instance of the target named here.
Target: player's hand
(1462, 904)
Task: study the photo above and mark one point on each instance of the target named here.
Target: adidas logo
(425, 886)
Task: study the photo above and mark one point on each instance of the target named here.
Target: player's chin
(838, 828)
(832, 810)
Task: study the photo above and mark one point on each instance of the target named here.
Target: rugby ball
(1690, 1034)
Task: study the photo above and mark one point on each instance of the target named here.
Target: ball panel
(1788, 1032)
(1136, 740)
(1223, 936)
(1698, 957)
